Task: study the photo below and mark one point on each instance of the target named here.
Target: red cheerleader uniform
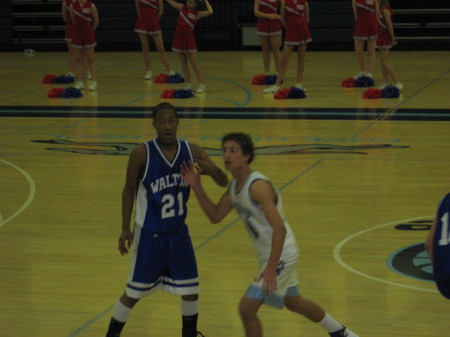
(384, 39)
(366, 27)
(297, 31)
(184, 40)
(147, 21)
(83, 36)
(69, 23)
(267, 27)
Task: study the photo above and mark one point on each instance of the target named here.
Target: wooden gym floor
(360, 181)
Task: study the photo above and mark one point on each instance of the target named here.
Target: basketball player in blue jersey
(438, 246)
(260, 206)
(162, 255)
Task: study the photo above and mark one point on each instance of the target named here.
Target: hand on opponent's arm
(207, 166)
(215, 212)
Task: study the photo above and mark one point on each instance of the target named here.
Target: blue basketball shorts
(164, 261)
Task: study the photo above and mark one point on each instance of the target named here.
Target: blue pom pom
(296, 93)
(175, 78)
(365, 82)
(270, 79)
(390, 92)
(64, 79)
(181, 93)
(71, 92)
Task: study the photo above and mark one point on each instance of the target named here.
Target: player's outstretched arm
(209, 11)
(175, 4)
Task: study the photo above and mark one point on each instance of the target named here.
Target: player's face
(166, 124)
(233, 157)
(191, 4)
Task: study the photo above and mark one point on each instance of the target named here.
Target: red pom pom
(162, 78)
(258, 79)
(49, 78)
(372, 93)
(168, 93)
(55, 92)
(348, 83)
(282, 93)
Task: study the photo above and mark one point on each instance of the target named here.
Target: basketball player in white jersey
(162, 255)
(260, 206)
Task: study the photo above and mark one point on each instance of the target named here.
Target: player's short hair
(245, 142)
(163, 106)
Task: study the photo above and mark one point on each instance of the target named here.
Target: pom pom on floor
(390, 92)
(180, 93)
(166, 78)
(55, 92)
(258, 79)
(364, 82)
(360, 82)
(264, 79)
(387, 92)
(52, 78)
(293, 93)
(372, 93)
(161, 78)
(349, 83)
(49, 78)
(64, 79)
(176, 78)
(69, 92)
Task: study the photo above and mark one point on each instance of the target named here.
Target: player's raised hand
(189, 174)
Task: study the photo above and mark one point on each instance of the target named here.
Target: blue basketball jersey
(441, 244)
(162, 192)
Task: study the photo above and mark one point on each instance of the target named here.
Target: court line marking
(426, 86)
(248, 92)
(199, 246)
(337, 256)
(19, 95)
(31, 194)
(394, 109)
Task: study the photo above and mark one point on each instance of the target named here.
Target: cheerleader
(65, 12)
(184, 42)
(385, 41)
(366, 30)
(149, 12)
(295, 18)
(269, 31)
(85, 17)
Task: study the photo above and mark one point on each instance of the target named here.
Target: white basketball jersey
(258, 226)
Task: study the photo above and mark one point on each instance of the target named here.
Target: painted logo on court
(412, 261)
(124, 149)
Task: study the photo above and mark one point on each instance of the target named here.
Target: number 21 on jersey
(168, 210)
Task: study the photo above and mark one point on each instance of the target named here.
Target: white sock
(189, 308)
(121, 312)
(329, 324)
